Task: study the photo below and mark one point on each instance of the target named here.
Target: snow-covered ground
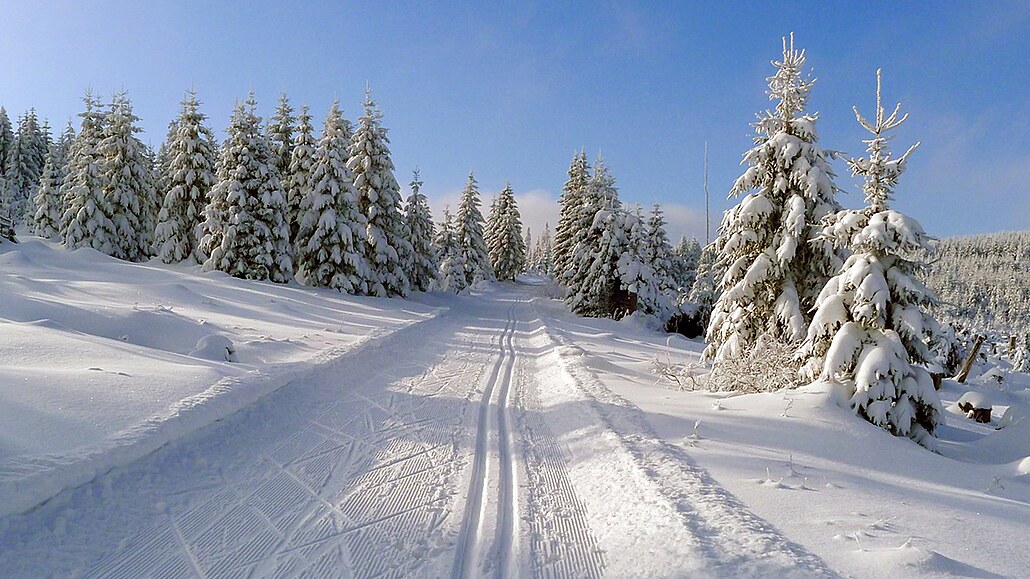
(445, 435)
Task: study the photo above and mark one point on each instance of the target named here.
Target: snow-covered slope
(105, 360)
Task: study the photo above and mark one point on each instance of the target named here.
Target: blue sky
(511, 90)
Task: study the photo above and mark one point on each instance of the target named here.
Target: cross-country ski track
(472, 444)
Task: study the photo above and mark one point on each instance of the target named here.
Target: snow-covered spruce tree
(685, 261)
(527, 241)
(658, 254)
(245, 232)
(595, 284)
(87, 215)
(588, 295)
(280, 130)
(298, 178)
(421, 231)
(63, 146)
(24, 164)
(1021, 358)
(868, 330)
(188, 170)
(451, 276)
(46, 221)
(773, 267)
(330, 229)
(6, 141)
(544, 263)
(508, 252)
(636, 271)
(127, 181)
(572, 225)
(469, 229)
(387, 248)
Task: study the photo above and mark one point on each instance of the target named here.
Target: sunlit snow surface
(446, 435)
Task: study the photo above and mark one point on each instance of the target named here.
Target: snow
(105, 361)
(345, 440)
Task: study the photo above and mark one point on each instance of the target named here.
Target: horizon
(512, 92)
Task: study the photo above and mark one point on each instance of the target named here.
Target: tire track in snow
(735, 541)
(469, 554)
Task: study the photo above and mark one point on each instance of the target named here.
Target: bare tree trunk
(968, 365)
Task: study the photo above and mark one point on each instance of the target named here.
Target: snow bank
(105, 361)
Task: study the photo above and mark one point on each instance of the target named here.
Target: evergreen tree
(6, 144)
(330, 228)
(188, 167)
(507, 249)
(299, 174)
(425, 264)
(24, 161)
(869, 329)
(545, 264)
(63, 146)
(527, 241)
(246, 234)
(280, 136)
(663, 291)
(571, 226)
(127, 181)
(451, 256)
(387, 248)
(47, 219)
(773, 271)
(596, 279)
(87, 216)
(469, 228)
(1021, 358)
(686, 257)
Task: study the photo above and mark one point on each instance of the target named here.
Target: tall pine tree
(127, 181)
(330, 228)
(298, 178)
(280, 131)
(190, 166)
(387, 248)
(46, 221)
(450, 255)
(86, 221)
(507, 247)
(422, 232)
(571, 228)
(469, 228)
(774, 269)
(246, 234)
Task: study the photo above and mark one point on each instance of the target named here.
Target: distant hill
(983, 281)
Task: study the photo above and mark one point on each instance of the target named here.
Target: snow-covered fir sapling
(869, 329)
(87, 215)
(451, 276)
(773, 269)
(572, 226)
(1021, 357)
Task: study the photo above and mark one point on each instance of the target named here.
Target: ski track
(469, 557)
(734, 541)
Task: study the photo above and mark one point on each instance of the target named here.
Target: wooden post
(1012, 345)
(968, 365)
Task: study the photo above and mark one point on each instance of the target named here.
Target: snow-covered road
(470, 444)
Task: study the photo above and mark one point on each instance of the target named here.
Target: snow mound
(215, 347)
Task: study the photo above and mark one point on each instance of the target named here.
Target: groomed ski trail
(472, 444)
